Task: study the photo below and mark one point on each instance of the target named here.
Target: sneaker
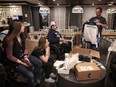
(50, 80)
(52, 75)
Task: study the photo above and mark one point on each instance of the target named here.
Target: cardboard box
(87, 71)
(89, 52)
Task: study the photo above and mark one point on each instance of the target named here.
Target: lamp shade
(111, 10)
(44, 9)
(77, 9)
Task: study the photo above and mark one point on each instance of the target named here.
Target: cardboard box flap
(86, 52)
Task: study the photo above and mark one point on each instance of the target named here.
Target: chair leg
(107, 57)
(72, 45)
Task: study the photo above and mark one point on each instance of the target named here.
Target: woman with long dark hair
(17, 54)
(43, 53)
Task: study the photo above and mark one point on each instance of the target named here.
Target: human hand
(65, 41)
(99, 24)
(26, 60)
(61, 39)
(26, 65)
(47, 49)
(84, 21)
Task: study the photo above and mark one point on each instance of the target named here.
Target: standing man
(101, 23)
(99, 20)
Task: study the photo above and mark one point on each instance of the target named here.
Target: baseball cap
(53, 23)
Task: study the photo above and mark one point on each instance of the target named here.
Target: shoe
(53, 76)
(50, 80)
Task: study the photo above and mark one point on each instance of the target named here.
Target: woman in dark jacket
(43, 53)
(17, 54)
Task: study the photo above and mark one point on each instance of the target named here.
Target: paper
(58, 63)
(86, 68)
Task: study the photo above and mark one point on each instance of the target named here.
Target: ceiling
(60, 2)
(18, 2)
(80, 2)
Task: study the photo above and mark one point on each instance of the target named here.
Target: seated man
(54, 38)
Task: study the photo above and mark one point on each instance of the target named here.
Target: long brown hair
(42, 42)
(14, 30)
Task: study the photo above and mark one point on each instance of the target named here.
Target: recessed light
(54, 0)
(112, 2)
(99, 0)
(93, 4)
(57, 4)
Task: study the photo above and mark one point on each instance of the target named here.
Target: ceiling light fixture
(77, 9)
(93, 4)
(111, 10)
(57, 4)
(44, 9)
(54, 0)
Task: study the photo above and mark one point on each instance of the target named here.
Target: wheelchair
(56, 51)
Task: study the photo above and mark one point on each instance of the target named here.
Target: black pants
(66, 48)
(62, 49)
(31, 73)
(48, 67)
(91, 46)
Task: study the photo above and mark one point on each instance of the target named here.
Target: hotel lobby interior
(91, 61)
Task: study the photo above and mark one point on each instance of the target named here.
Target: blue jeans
(31, 73)
(2, 35)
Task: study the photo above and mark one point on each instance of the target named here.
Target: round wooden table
(71, 81)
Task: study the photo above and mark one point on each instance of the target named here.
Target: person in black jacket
(54, 37)
(17, 53)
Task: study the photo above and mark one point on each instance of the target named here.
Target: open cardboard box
(89, 52)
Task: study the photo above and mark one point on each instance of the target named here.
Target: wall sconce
(44, 9)
(77, 9)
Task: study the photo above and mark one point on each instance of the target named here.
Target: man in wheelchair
(55, 38)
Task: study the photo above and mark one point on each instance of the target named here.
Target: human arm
(45, 57)
(52, 37)
(100, 21)
(9, 54)
(26, 51)
(101, 24)
(41, 54)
